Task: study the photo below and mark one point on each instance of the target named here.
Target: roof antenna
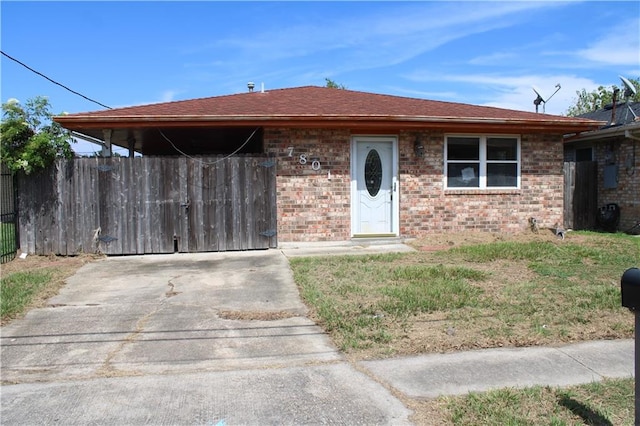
(629, 92)
(540, 100)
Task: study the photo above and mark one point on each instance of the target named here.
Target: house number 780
(315, 164)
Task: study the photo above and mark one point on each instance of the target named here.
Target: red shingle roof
(313, 104)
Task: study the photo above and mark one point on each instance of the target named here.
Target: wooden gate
(580, 194)
(145, 205)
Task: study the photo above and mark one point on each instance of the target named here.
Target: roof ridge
(319, 103)
(203, 98)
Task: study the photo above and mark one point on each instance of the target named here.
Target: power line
(53, 81)
(108, 107)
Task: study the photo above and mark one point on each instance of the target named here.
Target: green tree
(596, 99)
(333, 85)
(29, 139)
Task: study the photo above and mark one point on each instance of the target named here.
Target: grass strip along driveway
(524, 291)
(28, 283)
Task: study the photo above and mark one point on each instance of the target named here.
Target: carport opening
(201, 141)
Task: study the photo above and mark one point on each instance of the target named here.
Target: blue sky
(485, 53)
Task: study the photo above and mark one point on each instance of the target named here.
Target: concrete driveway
(212, 338)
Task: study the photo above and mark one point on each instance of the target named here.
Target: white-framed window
(482, 161)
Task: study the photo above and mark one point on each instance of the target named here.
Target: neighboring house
(354, 164)
(615, 147)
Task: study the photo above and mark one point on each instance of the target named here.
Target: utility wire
(108, 107)
(53, 81)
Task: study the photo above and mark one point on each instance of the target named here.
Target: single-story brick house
(354, 164)
(615, 147)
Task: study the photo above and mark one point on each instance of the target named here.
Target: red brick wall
(425, 206)
(315, 206)
(312, 205)
(627, 192)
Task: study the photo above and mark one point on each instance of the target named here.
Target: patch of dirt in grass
(427, 335)
(64, 264)
(431, 412)
(60, 267)
(439, 333)
(443, 241)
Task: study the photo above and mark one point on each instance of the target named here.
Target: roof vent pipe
(250, 86)
(262, 88)
(613, 109)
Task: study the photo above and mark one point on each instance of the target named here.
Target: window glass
(463, 175)
(459, 148)
(482, 162)
(501, 174)
(373, 172)
(584, 154)
(502, 149)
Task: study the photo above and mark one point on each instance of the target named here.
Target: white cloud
(493, 58)
(519, 93)
(168, 95)
(618, 47)
(380, 38)
(425, 94)
(512, 91)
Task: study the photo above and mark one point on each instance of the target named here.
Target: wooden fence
(580, 194)
(145, 205)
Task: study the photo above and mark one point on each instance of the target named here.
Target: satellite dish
(629, 91)
(629, 88)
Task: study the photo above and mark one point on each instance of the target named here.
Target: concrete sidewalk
(356, 246)
(310, 394)
(429, 376)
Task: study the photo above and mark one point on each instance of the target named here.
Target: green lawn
(17, 290)
(508, 293)
(610, 402)
(28, 283)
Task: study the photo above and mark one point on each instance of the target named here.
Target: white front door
(374, 186)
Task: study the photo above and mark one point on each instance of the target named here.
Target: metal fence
(8, 215)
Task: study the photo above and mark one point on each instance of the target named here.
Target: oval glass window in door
(373, 172)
